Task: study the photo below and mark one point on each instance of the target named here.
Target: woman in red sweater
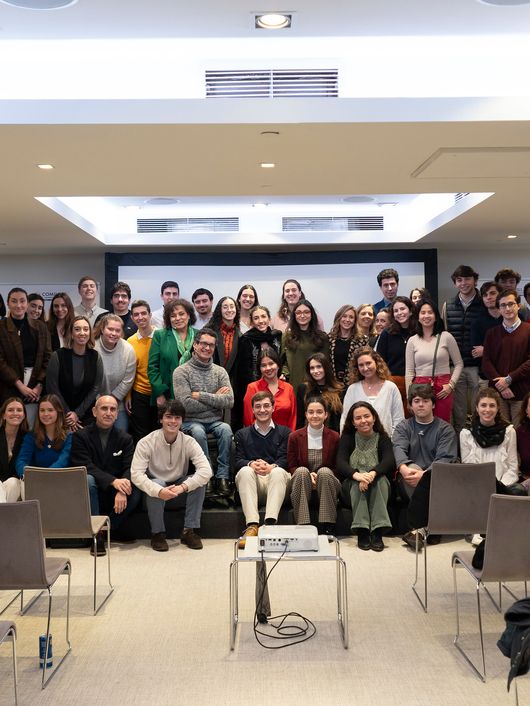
(283, 393)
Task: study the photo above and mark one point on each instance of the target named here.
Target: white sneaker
(476, 540)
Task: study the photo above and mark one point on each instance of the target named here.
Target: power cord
(294, 633)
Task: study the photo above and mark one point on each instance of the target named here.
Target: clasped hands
(261, 467)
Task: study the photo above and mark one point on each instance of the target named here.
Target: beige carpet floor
(163, 636)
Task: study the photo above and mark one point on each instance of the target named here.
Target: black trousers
(143, 419)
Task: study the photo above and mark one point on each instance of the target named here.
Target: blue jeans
(123, 421)
(223, 435)
(107, 498)
(192, 500)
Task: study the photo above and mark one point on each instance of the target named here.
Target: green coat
(295, 360)
(164, 357)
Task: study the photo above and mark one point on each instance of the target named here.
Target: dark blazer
(219, 352)
(12, 360)
(106, 466)
(297, 449)
(385, 453)
(7, 467)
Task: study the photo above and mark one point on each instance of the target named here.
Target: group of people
(133, 395)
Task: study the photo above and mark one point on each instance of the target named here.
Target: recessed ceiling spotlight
(273, 20)
(511, 237)
(45, 167)
(267, 165)
(501, 3)
(40, 4)
(358, 199)
(161, 201)
(260, 205)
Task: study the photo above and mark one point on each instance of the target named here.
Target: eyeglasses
(205, 345)
(507, 305)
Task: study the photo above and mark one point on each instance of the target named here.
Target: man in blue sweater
(261, 459)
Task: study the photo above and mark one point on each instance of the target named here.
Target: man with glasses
(205, 391)
(506, 356)
(120, 297)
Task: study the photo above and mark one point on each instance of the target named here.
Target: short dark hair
(507, 293)
(201, 290)
(484, 288)
(140, 302)
(185, 304)
(423, 390)
(120, 287)
(464, 271)
(262, 395)
(35, 297)
(507, 273)
(272, 354)
(316, 399)
(174, 407)
(526, 288)
(389, 273)
(84, 279)
(206, 331)
(15, 290)
(169, 283)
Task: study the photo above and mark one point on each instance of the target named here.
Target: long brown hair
(331, 389)
(349, 427)
(24, 424)
(53, 321)
(335, 329)
(490, 394)
(381, 368)
(60, 430)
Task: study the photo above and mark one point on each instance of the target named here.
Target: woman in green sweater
(302, 339)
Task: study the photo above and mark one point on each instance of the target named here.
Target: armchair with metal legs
(8, 631)
(506, 558)
(65, 510)
(458, 505)
(25, 567)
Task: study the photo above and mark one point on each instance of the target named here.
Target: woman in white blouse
(429, 356)
(491, 438)
(371, 383)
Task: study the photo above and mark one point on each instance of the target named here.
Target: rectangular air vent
(332, 223)
(460, 196)
(187, 225)
(272, 83)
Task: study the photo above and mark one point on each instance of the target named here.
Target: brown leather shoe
(158, 542)
(251, 531)
(191, 539)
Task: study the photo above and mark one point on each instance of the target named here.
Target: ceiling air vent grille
(277, 83)
(460, 196)
(332, 223)
(187, 225)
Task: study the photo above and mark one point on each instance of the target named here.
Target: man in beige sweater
(160, 467)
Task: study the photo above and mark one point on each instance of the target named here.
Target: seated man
(418, 442)
(261, 460)
(205, 391)
(106, 452)
(160, 468)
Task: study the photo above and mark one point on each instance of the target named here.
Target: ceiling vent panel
(460, 196)
(332, 223)
(187, 225)
(272, 83)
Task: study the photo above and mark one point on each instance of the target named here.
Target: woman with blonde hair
(371, 383)
(343, 342)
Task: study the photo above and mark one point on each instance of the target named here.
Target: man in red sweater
(506, 359)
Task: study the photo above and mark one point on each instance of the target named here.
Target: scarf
(488, 436)
(185, 346)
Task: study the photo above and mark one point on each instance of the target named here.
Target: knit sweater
(141, 345)
(423, 444)
(508, 354)
(206, 379)
(168, 462)
(47, 457)
(387, 403)
(119, 369)
(272, 448)
(419, 356)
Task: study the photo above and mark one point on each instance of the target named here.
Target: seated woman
(491, 438)
(311, 457)
(225, 323)
(371, 383)
(283, 393)
(365, 460)
(302, 339)
(523, 443)
(319, 382)
(60, 317)
(75, 374)
(247, 299)
(13, 426)
(171, 346)
(49, 444)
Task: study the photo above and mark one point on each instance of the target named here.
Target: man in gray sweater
(160, 468)
(205, 391)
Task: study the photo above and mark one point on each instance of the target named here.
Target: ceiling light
(273, 20)
(504, 2)
(40, 4)
(260, 205)
(161, 201)
(358, 199)
(267, 165)
(44, 166)
(511, 237)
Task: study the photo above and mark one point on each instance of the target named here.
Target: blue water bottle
(42, 651)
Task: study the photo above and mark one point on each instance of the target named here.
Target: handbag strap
(435, 352)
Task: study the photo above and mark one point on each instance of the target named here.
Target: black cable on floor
(284, 632)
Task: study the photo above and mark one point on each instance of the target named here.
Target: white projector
(288, 538)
